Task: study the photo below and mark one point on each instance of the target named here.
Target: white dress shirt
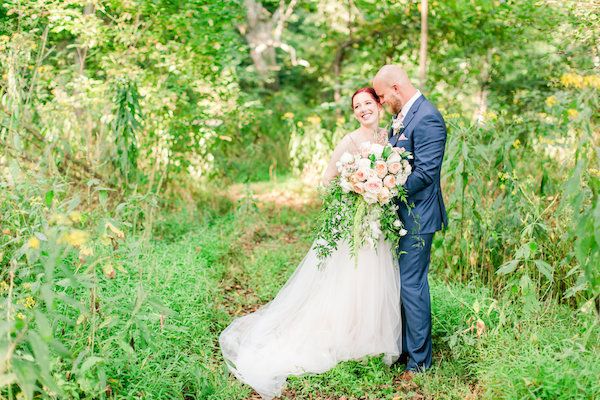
(408, 105)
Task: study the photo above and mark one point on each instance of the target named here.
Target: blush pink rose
(394, 167)
(373, 186)
(381, 168)
(362, 175)
(358, 187)
(389, 181)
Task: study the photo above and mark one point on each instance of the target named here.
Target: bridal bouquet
(358, 204)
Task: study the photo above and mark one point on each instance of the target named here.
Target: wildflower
(75, 216)
(109, 271)
(592, 81)
(75, 238)
(3, 286)
(300, 124)
(33, 243)
(595, 172)
(341, 120)
(29, 302)
(551, 101)
(20, 316)
(315, 120)
(288, 115)
(59, 219)
(573, 80)
(572, 113)
(516, 144)
(490, 115)
(85, 251)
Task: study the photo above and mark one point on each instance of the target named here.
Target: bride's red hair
(369, 90)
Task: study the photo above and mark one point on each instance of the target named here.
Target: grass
(201, 271)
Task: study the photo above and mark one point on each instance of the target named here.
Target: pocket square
(403, 137)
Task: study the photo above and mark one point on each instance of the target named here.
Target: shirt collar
(409, 103)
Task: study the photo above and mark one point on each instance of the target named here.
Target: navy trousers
(416, 301)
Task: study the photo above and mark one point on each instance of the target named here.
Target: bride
(339, 311)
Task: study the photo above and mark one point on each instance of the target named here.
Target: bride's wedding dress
(323, 315)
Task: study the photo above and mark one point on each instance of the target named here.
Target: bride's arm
(331, 172)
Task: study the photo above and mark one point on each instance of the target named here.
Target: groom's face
(389, 97)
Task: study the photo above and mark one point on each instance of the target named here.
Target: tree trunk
(482, 95)
(423, 49)
(260, 36)
(88, 9)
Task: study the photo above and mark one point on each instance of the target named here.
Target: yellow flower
(33, 243)
(85, 251)
(75, 238)
(59, 219)
(341, 120)
(315, 120)
(516, 144)
(551, 101)
(75, 216)
(572, 80)
(3, 286)
(595, 172)
(592, 81)
(490, 115)
(572, 113)
(300, 124)
(288, 115)
(29, 302)
(20, 316)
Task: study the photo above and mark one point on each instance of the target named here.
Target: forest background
(158, 169)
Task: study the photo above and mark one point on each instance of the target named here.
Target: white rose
(347, 158)
(394, 157)
(345, 185)
(363, 163)
(397, 223)
(376, 149)
(403, 232)
(401, 178)
(384, 195)
(370, 198)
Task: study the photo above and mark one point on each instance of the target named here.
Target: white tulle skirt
(321, 316)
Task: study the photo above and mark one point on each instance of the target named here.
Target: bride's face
(366, 109)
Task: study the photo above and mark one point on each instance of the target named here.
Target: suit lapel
(413, 110)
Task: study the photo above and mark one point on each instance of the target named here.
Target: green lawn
(202, 271)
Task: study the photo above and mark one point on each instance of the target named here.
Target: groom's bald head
(393, 87)
(391, 74)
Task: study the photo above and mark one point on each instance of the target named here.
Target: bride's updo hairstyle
(369, 90)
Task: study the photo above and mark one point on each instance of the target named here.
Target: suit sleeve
(429, 143)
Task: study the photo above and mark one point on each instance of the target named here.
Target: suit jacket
(424, 135)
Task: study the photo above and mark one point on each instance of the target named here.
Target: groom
(419, 128)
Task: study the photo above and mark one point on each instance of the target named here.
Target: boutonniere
(397, 125)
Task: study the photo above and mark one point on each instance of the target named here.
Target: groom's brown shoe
(407, 376)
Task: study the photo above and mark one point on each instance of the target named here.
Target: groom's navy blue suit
(424, 135)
